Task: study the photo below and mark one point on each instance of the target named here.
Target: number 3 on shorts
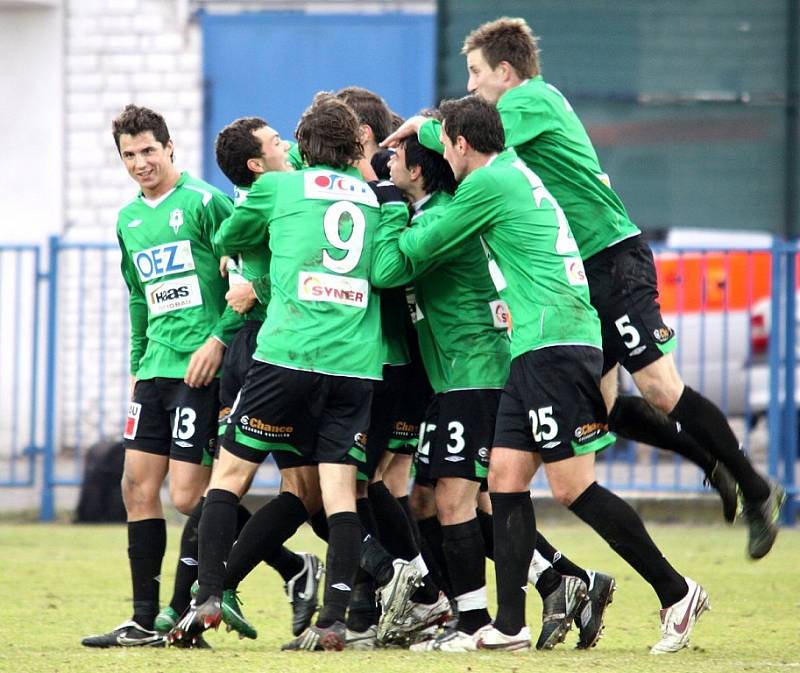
(543, 424)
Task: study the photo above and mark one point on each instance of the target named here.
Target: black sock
(548, 582)
(393, 524)
(560, 562)
(432, 553)
(367, 516)
(242, 517)
(620, 526)
(319, 524)
(412, 521)
(263, 535)
(362, 611)
(186, 572)
(147, 541)
(707, 424)
(514, 541)
(375, 560)
(286, 562)
(487, 529)
(463, 549)
(217, 531)
(634, 418)
(341, 565)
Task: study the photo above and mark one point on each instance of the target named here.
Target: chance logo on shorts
(164, 260)
(337, 289)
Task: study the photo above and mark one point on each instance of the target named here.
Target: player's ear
(254, 165)
(415, 173)
(170, 147)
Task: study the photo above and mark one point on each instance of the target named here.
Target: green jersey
(252, 266)
(548, 136)
(461, 322)
(535, 264)
(177, 296)
(319, 223)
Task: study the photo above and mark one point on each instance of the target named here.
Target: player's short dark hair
(370, 109)
(506, 39)
(328, 133)
(437, 176)
(477, 120)
(235, 145)
(134, 120)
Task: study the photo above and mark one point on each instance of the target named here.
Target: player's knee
(662, 397)
(422, 502)
(185, 499)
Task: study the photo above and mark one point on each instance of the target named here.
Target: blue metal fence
(717, 300)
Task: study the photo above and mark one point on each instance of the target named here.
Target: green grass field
(61, 582)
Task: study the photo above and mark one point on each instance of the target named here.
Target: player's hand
(410, 127)
(223, 266)
(241, 298)
(133, 385)
(204, 364)
(386, 191)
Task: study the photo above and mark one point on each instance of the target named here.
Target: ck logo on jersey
(176, 220)
(164, 260)
(335, 187)
(500, 316)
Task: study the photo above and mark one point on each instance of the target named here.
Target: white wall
(31, 132)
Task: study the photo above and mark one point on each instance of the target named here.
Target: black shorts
(168, 418)
(552, 404)
(456, 438)
(398, 406)
(237, 362)
(624, 291)
(321, 418)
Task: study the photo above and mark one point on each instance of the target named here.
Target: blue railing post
(47, 511)
(789, 444)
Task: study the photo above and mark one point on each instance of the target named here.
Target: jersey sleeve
(390, 267)
(228, 324)
(429, 134)
(441, 231)
(524, 118)
(137, 309)
(246, 228)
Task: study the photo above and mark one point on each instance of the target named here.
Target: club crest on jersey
(332, 186)
(176, 220)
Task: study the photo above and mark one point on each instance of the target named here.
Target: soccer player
(178, 337)
(551, 410)
(503, 64)
(397, 408)
(462, 351)
(317, 354)
(246, 149)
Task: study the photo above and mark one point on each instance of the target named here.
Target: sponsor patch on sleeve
(575, 273)
(499, 314)
(132, 421)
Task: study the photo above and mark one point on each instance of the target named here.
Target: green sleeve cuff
(429, 134)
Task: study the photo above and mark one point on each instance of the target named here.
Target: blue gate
(20, 323)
